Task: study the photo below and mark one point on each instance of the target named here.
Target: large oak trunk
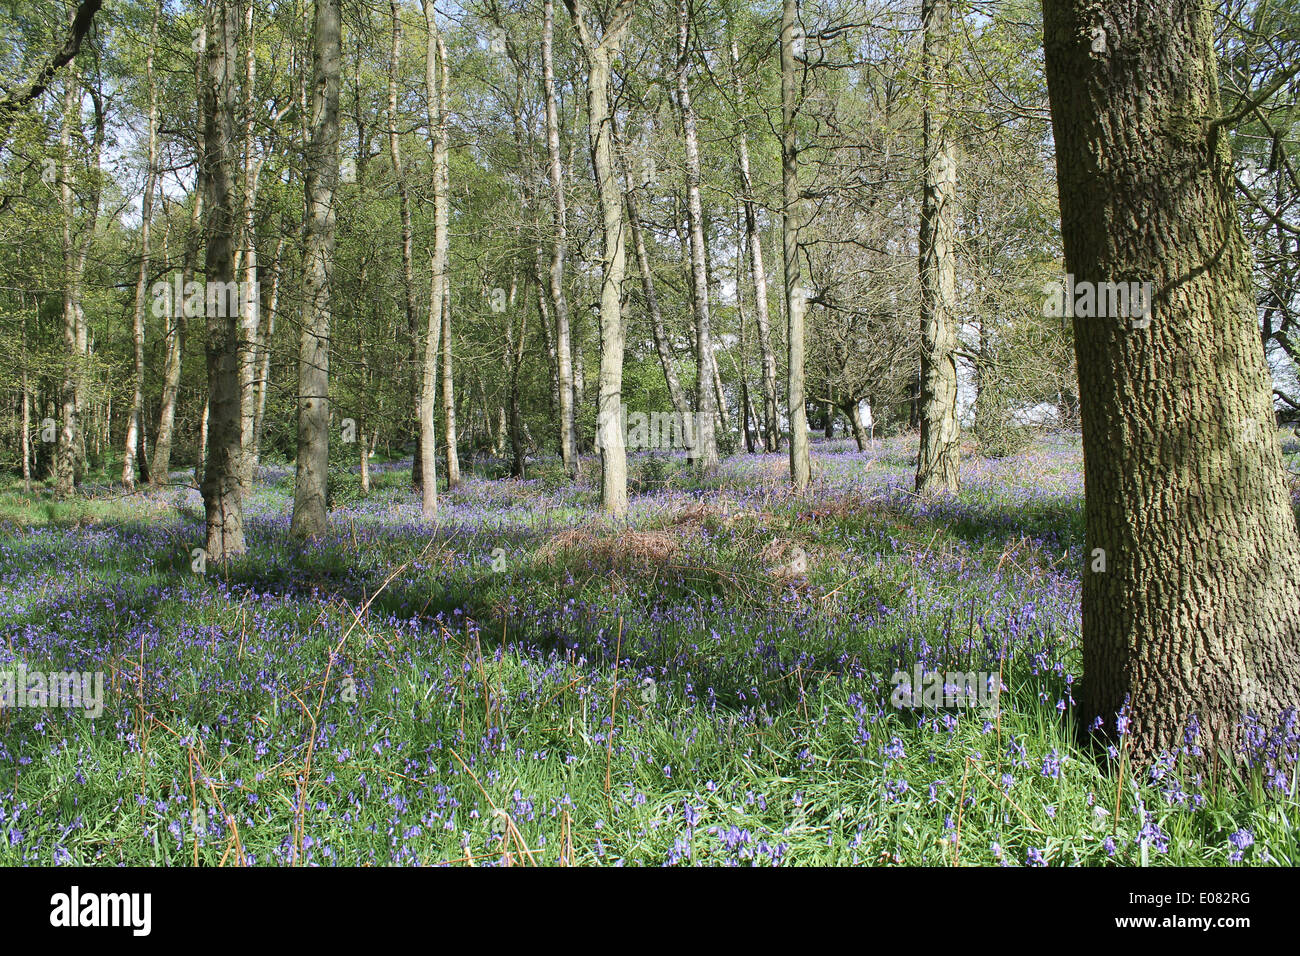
(1190, 604)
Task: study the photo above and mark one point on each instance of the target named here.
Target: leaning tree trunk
(613, 447)
(936, 469)
(1190, 605)
(796, 300)
(222, 502)
(853, 412)
(310, 509)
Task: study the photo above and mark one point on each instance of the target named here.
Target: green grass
(281, 717)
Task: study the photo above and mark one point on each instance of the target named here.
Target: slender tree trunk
(435, 79)
(27, 406)
(178, 316)
(133, 429)
(676, 394)
(854, 415)
(514, 361)
(796, 299)
(404, 200)
(66, 453)
(246, 261)
(448, 383)
(1190, 604)
(563, 333)
(548, 340)
(200, 461)
(758, 273)
(222, 501)
(310, 508)
(704, 447)
(610, 439)
(175, 319)
(937, 465)
(263, 382)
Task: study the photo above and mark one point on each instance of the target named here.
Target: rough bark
(937, 465)
(310, 508)
(1195, 610)
(222, 501)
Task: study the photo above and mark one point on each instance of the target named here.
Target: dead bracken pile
(786, 560)
(623, 548)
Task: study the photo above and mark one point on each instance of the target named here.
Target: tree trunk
(448, 386)
(310, 509)
(515, 360)
(936, 469)
(854, 414)
(200, 460)
(222, 501)
(563, 332)
(676, 394)
(796, 299)
(263, 382)
(133, 429)
(404, 199)
(1190, 604)
(177, 318)
(65, 457)
(704, 446)
(610, 439)
(26, 441)
(758, 273)
(246, 260)
(435, 80)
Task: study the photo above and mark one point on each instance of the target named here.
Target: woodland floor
(404, 693)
